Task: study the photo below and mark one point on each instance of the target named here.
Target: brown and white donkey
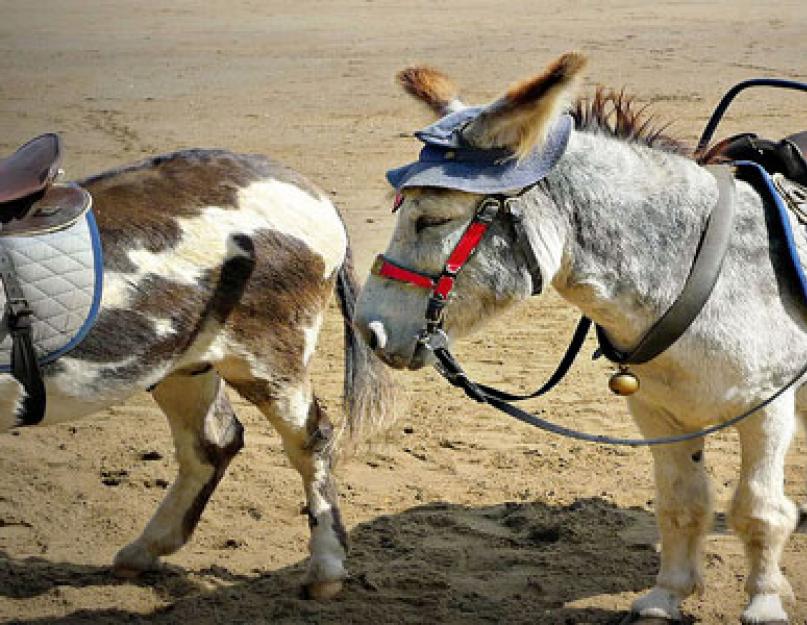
(218, 267)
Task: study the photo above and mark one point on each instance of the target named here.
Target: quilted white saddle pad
(61, 274)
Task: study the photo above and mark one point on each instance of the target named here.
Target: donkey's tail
(370, 397)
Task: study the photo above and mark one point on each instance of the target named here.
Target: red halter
(442, 285)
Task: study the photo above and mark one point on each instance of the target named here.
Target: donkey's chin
(417, 359)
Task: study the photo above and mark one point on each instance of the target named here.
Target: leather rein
(670, 326)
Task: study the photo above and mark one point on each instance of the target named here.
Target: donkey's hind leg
(306, 433)
(206, 435)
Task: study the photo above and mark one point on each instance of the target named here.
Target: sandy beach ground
(458, 515)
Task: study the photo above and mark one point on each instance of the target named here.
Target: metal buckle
(18, 314)
(432, 340)
(512, 208)
(375, 268)
(488, 210)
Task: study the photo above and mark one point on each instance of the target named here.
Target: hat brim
(486, 177)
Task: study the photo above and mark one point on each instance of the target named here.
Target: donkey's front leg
(683, 514)
(761, 513)
(206, 435)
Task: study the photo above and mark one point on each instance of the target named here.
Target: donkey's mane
(617, 114)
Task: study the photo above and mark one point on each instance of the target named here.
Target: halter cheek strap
(442, 285)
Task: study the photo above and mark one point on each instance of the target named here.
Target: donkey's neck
(633, 217)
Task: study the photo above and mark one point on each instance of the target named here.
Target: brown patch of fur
(430, 86)
(129, 335)
(138, 205)
(286, 290)
(617, 114)
(219, 458)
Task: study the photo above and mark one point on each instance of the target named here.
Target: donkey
(613, 226)
(218, 268)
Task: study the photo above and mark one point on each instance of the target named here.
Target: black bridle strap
(477, 392)
(451, 370)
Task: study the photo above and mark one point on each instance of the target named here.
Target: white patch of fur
(207, 239)
(659, 603)
(163, 327)
(453, 106)
(210, 346)
(327, 554)
(298, 401)
(764, 609)
(547, 245)
(313, 221)
(310, 335)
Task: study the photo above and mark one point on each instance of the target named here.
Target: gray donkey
(613, 226)
(218, 268)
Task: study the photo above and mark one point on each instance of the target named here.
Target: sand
(458, 515)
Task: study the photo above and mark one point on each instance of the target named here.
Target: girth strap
(24, 364)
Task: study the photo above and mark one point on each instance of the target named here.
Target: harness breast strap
(698, 286)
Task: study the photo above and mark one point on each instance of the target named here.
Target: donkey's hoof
(133, 560)
(636, 619)
(322, 590)
(764, 609)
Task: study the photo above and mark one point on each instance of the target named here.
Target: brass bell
(623, 382)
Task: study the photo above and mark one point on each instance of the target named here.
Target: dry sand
(460, 516)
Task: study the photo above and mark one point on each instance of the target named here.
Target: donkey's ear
(521, 118)
(432, 87)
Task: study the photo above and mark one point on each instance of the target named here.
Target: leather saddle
(787, 157)
(31, 201)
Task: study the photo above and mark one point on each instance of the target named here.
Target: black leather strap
(454, 373)
(24, 364)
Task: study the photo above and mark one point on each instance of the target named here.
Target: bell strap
(698, 286)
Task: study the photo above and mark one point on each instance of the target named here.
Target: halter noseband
(432, 335)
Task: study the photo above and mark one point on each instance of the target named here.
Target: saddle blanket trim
(765, 183)
(95, 306)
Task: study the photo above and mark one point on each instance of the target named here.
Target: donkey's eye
(427, 221)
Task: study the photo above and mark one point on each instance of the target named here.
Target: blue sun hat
(447, 161)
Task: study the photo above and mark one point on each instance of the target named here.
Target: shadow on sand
(437, 563)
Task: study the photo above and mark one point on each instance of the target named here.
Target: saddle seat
(787, 157)
(31, 201)
(31, 168)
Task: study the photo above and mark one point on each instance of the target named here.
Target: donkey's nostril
(378, 336)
